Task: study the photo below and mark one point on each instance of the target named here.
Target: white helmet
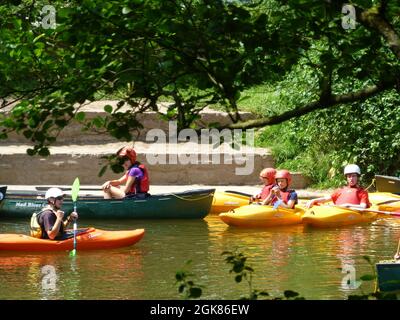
(352, 168)
(53, 193)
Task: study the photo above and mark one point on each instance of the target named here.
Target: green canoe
(192, 204)
(388, 275)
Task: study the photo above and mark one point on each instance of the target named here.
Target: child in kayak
(350, 196)
(134, 183)
(280, 194)
(51, 218)
(267, 176)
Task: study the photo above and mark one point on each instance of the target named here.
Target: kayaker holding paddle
(267, 176)
(350, 196)
(51, 218)
(134, 183)
(281, 195)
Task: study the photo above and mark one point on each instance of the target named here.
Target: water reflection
(292, 257)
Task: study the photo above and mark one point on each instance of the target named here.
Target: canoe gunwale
(191, 204)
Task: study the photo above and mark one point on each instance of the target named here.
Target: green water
(298, 258)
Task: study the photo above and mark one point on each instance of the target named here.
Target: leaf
(28, 133)
(238, 267)
(102, 170)
(38, 37)
(195, 292)
(117, 168)
(367, 258)
(80, 116)
(44, 152)
(179, 276)
(108, 108)
(290, 294)
(126, 10)
(367, 277)
(30, 152)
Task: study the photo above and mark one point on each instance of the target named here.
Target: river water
(298, 258)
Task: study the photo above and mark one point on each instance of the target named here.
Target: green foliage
(193, 53)
(366, 133)
(186, 286)
(113, 162)
(242, 271)
(199, 53)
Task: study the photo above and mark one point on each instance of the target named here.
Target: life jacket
(36, 229)
(266, 190)
(349, 195)
(285, 195)
(141, 185)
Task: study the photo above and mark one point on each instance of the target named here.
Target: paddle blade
(75, 189)
(72, 253)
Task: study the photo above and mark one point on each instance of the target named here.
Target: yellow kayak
(385, 201)
(261, 216)
(376, 198)
(331, 216)
(228, 200)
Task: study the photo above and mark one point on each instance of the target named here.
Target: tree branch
(326, 103)
(373, 19)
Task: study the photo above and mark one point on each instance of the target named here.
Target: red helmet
(284, 174)
(268, 173)
(127, 152)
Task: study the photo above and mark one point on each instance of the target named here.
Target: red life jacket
(140, 185)
(284, 196)
(349, 195)
(266, 190)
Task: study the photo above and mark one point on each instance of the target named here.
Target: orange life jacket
(266, 190)
(284, 196)
(349, 195)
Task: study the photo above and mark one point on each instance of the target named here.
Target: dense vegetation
(321, 143)
(331, 70)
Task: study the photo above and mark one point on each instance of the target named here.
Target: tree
(191, 52)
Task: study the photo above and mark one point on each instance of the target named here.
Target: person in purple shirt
(134, 182)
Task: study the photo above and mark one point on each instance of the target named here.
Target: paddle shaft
(74, 196)
(398, 248)
(368, 210)
(389, 201)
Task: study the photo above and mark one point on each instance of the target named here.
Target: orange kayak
(91, 239)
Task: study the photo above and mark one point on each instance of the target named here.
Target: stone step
(168, 164)
(74, 133)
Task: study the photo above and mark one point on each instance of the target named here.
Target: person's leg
(113, 193)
